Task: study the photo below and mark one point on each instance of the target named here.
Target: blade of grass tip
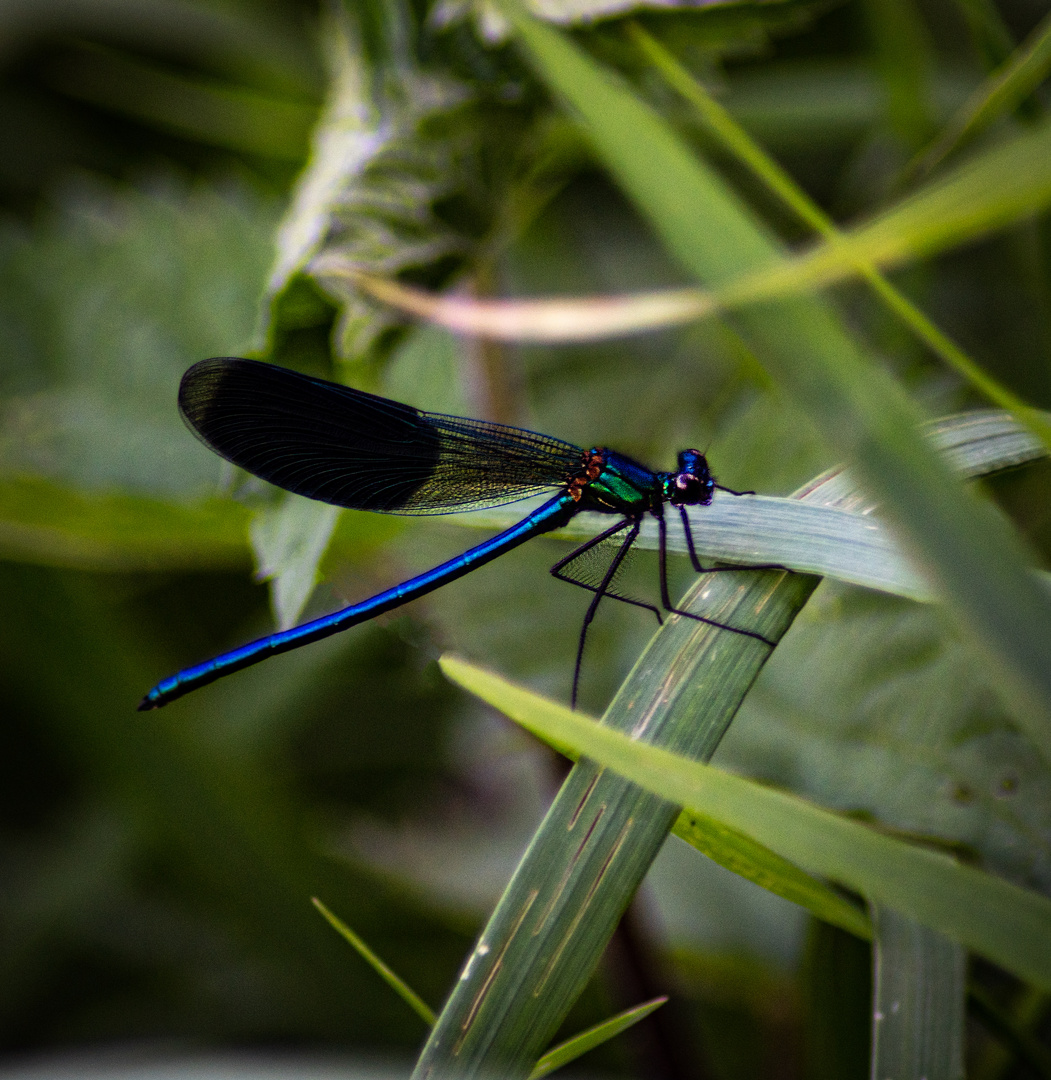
(747, 858)
(1003, 91)
(580, 1044)
(397, 984)
(1005, 923)
(918, 1000)
(740, 144)
(978, 564)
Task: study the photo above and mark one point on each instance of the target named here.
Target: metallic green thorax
(616, 484)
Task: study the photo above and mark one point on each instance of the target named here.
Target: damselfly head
(693, 484)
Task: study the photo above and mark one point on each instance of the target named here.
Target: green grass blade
(47, 523)
(920, 993)
(741, 855)
(208, 111)
(1001, 184)
(1004, 90)
(749, 859)
(394, 981)
(902, 54)
(1008, 925)
(580, 1044)
(976, 563)
(989, 33)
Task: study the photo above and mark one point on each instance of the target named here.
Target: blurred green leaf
(43, 522)
(427, 370)
(1002, 92)
(256, 45)
(871, 706)
(789, 104)
(105, 303)
(207, 111)
(290, 538)
(988, 30)
(903, 53)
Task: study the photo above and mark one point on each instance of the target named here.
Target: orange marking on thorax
(591, 465)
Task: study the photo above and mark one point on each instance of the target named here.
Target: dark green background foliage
(156, 869)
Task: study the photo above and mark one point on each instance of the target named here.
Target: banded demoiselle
(353, 449)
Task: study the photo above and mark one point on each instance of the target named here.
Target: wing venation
(349, 448)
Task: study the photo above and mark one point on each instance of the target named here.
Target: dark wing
(343, 446)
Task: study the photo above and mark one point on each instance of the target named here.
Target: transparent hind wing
(587, 566)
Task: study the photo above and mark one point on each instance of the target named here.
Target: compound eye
(688, 487)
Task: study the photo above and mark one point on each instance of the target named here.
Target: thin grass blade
(1008, 181)
(391, 978)
(49, 524)
(580, 1044)
(1004, 90)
